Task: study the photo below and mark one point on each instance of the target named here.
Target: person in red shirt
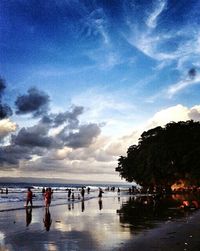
(29, 197)
(47, 197)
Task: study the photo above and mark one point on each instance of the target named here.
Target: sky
(81, 80)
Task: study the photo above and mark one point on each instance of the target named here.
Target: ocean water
(17, 192)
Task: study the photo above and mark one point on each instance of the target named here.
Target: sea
(15, 199)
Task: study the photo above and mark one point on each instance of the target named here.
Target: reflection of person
(100, 204)
(47, 219)
(82, 205)
(29, 197)
(28, 216)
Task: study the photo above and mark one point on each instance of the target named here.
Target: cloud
(32, 137)
(12, 154)
(152, 19)
(5, 111)
(192, 73)
(6, 127)
(95, 24)
(35, 102)
(192, 79)
(70, 117)
(2, 86)
(194, 113)
(83, 138)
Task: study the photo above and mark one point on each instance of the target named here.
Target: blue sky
(83, 79)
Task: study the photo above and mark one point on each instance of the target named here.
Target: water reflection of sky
(89, 225)
(103, 225)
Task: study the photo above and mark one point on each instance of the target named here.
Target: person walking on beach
(29, 197)
(47, 197)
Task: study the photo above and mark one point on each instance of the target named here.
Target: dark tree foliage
(164, 156)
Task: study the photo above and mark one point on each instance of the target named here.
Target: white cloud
(152, 19)
(177, 87)
(6, 127)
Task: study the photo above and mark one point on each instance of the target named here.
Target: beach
(93, 224)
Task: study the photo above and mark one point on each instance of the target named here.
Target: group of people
(47, 195)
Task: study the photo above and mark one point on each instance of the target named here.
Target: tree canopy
(164, 155)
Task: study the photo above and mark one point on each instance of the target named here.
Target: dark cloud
(35, 136)
(2, 86)
(13, 154)
(35, 102)
(35, 140)
(5, 111)
(83, 138)
(192, 73)
(70, 117)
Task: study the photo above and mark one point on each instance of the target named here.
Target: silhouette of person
(88, 190)
(100, 193)
(29, 197)
(73, 196)
(82, 205)
(69, 193)
(6, 190)
(100, 204)
(82, 192)
(47, 219)
(28, 216)
(43, 191)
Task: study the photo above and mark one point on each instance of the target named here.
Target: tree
(164, 156)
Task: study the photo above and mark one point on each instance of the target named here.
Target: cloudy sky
(81, 80)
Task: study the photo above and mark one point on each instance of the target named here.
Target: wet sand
(180, 235)
(92, 225)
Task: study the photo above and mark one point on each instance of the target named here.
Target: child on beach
(29, 197)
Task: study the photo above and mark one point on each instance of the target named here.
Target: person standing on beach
(69, 193)
(47, 197)
(100, 193)
(29, 197)
(83, 192)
